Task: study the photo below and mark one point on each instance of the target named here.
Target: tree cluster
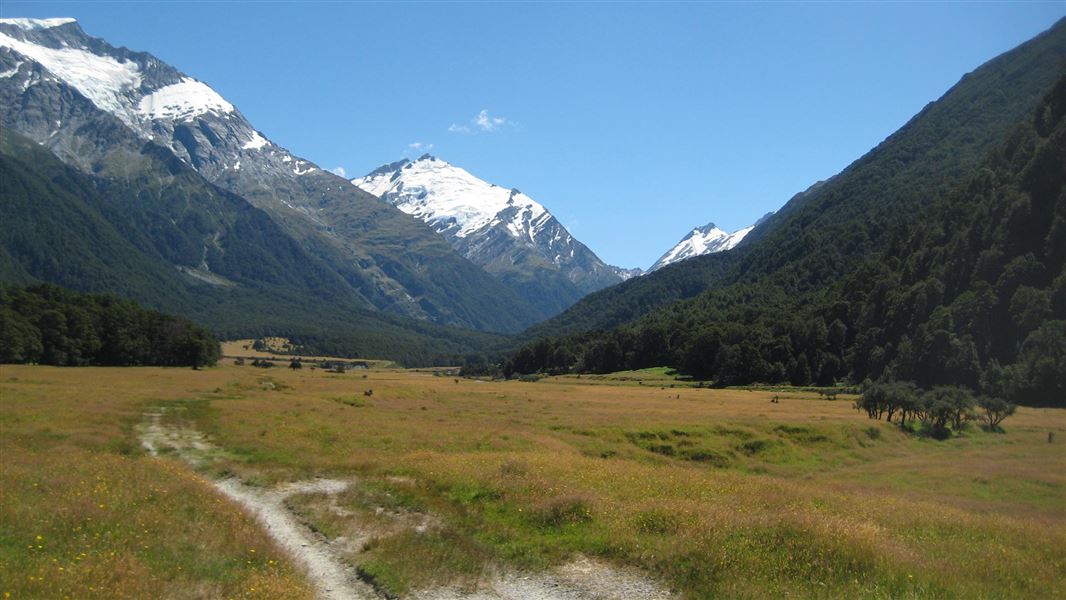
(49, 325)
(940, 410)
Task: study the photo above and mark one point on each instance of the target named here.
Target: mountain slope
(970, 290)
(823, 232)
(503, 230)
(54, 231)
(703, 240)
(973, 293)
(177, 243)
(57, 83)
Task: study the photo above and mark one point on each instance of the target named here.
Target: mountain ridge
(395, 263)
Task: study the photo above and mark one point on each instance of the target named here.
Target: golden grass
(718, 492)
(84, 514)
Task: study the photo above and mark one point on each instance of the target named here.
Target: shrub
(563, 510)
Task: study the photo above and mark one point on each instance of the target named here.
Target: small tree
(907, 401)
(888, 399)
(295, 364)
(874, 399)
(996, 409)
(946, 406)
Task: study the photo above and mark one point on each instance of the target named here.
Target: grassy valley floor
(712, 493)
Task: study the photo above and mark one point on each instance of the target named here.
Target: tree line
(46, 324)
(938, 411)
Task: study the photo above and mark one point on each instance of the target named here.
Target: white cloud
(419, 147)
(339, 171)
(483, 122)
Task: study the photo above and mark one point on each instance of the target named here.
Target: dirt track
(335, 579)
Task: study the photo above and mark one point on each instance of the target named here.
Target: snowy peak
(627, 274)
(453, 201)
(34, 24)
(110, 83)
(97, 106)
(702, 240)
(156, 101)
(503, 230)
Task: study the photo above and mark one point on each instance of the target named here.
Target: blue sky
(631, 122)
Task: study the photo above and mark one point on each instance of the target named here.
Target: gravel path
(332, 578)
(580, 579)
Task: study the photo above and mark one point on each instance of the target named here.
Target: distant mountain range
(501, 229)
(514, 237)
(119, 173)
(174, 199)
(477, 255)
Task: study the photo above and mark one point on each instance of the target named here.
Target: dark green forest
(46, 324)
(970, 290)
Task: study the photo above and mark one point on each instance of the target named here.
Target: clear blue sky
(631, 122)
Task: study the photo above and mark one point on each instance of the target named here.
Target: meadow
(715, 493)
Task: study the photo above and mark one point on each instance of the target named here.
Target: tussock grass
(718, 492)
(85, 514)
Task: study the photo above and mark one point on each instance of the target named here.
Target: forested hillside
(824, 232)
(970, 290)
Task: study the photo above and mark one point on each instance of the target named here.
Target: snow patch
(102, 79)
(12, 72)
(256, 143)
(183, 101)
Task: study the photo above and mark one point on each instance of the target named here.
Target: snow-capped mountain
(150, 97)
(78, 95)
(704, 240)
(507, 232)
(454, 202)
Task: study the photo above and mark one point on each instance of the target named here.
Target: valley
(459, 485)
(228, 370)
